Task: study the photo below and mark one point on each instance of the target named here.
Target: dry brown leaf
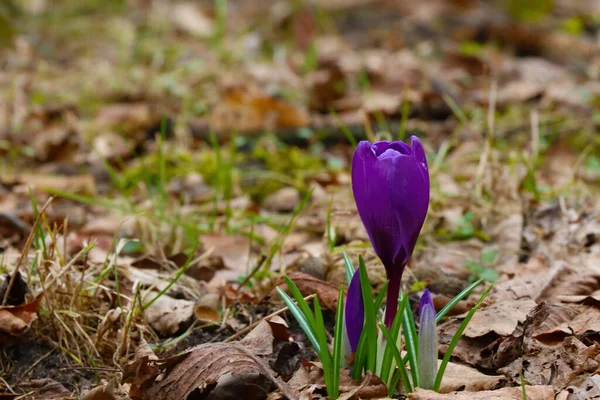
(232, 249)
(593, 298)
(326, 292)
(128, 118)
(556, 365)
(109, 391)
(206, 367)
(550, 322)
(15, 320)
(141, 371)
(207, 308)
(46, 388)
(284, 200)
(493, 339)
(462, 377)
(80, 184)
(191, 189)
(560, 280)
(309, 378)
(260, 339)
(168, 315)
(190, 18)
(533, 393)
(584, 320)
(155, 279)
(243, 111)
(501, 318)
(590, 389)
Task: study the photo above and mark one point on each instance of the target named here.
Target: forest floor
(165, 163)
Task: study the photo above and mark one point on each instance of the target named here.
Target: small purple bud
(428, 342)
(426, 300)
(354, 312)
(390, 182)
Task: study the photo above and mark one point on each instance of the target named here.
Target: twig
(25, 250)
(255, 324)
(257, 266)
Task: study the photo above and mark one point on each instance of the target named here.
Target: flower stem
(391, 308)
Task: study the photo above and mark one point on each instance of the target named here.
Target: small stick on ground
(257, 266)
(25, 250)
(255, 324)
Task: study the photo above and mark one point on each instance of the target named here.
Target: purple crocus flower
(390, 182)
(354, 311)
(428, 342)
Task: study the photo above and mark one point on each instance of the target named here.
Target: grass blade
(359, 357)
(370, 316)
(331, 236)
(386, 365)
(523, 391)
(301, 318)
(344, 128)
(325, 354)
(301, 302)
(337, 340)
(397, 357)
(412, 343)
(464, 293)
(380, 297)
(456, 338)
(349, 268)
(178, 275)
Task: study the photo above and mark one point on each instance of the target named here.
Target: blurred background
(223, 131)
(202, 101)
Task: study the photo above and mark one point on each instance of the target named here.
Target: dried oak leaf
(108, 391)
(244, 110)
(556, 365)
(533, 393)
(15, 320)
(591, 299)
(46, 388)
(464, 378)
(327, 292)
(590, 389)
(141, 372)
(203, 368)
(501, 318)
(493, 337)
(308, 382)
(168, 315)
(579, 320)
(207, 308)
(561, 280)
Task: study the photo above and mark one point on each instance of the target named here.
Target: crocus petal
(410, 199)
(354, 312)
(371, 182)
(428, 342)
(390, 182)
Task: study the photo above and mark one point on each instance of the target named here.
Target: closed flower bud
(390, 182)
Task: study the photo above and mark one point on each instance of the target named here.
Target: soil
(49, 362)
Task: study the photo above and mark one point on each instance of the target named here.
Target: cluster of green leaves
(483, 268)
(378, 349)
(314, 328)
(465, 228)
